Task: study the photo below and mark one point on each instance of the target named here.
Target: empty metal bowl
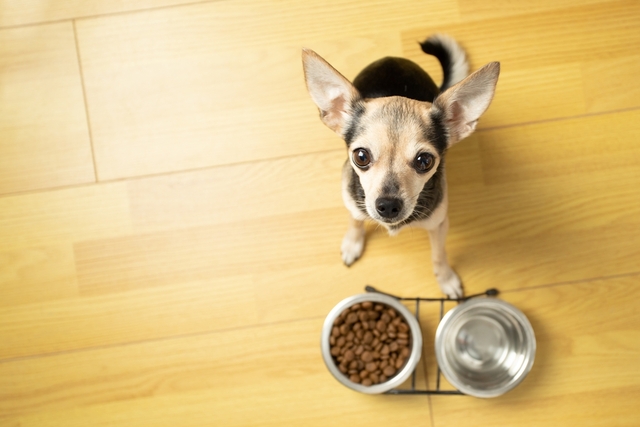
(485, 347)
(410, 364)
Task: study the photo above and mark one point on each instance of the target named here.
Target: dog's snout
(388, 207)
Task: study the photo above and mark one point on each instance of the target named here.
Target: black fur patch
(356, 191)
(436, 132)
(353, 129)
(395, 77)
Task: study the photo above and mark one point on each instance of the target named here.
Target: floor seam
(163, 174)
(571, 282)
(86, 104)
(154, 340)
(557, 119)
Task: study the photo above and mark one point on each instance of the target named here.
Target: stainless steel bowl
(485, 347)
(416, 342)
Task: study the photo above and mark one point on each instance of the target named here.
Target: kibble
(389, 371)
(370, 343)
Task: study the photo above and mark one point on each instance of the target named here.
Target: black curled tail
(452, 57)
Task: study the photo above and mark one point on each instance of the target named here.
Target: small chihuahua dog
(398, 126)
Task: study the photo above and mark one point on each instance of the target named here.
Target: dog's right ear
(464, 103)
(331, 91)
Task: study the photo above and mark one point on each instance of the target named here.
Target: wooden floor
(170, 211)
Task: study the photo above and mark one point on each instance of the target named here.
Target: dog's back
(393, 76)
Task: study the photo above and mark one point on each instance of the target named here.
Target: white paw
(450, 283)
(352, 245)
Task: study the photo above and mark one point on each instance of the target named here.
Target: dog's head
(396, 144)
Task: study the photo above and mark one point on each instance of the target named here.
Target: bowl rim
(492, 303)
(411, 363)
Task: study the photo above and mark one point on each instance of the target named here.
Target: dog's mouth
(391, 222)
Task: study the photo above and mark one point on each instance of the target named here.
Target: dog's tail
(452, 57)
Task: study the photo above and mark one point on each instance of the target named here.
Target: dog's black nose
(388, 207)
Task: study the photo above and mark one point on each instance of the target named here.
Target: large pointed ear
(331, 91)
(460, 106)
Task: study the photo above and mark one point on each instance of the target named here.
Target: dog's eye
(424, 162)
(361, 158)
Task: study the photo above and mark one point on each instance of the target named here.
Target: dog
(398, 125)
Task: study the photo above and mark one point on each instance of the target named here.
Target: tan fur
(394, 140)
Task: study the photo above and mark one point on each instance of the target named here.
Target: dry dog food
(370, 343)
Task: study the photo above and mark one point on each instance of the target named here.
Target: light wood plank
(249, 191)
(67, 215)
(45, 137)
(9, 422)
(37, 261)
(551, 60)
(608, 84)
(562, 150)
(471, 10)
(61, 326)
(36, 11)
(206, 252)
(37, 274)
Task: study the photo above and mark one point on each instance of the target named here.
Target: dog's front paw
(450, 283)
(352, 245)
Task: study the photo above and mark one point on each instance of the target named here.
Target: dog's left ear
(460, 106)
(331, 91)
